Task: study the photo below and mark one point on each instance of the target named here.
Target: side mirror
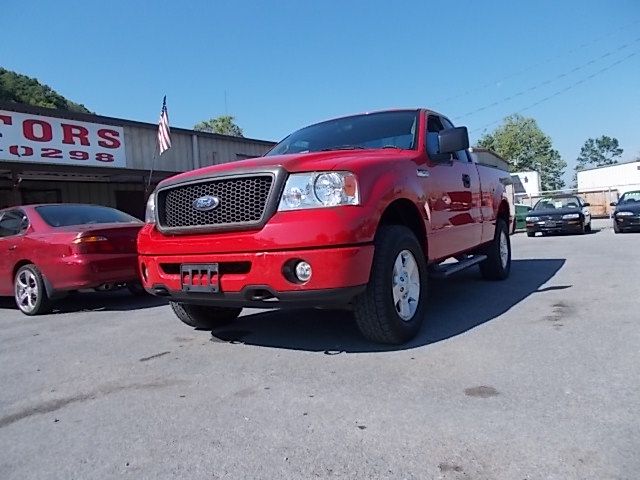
(453, 139)
(613, 204)
(441, 145)
(586, 204)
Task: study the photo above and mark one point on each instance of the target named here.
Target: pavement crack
(59, 403)
(146, 359)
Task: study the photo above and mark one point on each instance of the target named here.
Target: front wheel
(498, 263)
(203, 317)
(30, 292)
(392, 308)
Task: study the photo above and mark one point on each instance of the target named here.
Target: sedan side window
(12, 223)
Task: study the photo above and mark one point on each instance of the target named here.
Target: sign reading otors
(38, 139)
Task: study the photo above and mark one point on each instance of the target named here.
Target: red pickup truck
(357, 212)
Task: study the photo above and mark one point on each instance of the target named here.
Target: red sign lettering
(6, 119)
(71, 132)
(46, 133)
(109, 138)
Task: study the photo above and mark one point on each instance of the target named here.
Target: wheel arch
(403, 211)
(504, 212)
(22, 263)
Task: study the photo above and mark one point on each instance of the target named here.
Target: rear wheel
(498, 262)
(206, 318)
(30, 292)
(392, 308)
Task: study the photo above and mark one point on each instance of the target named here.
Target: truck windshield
(396, 129)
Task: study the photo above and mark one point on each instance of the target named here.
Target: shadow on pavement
(116, 301)
(455, 306)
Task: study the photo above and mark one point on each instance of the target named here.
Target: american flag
(164, 134)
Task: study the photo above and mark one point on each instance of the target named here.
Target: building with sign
(51, 156)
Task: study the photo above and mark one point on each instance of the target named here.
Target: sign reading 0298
(39, 139)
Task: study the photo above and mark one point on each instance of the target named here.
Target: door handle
(13, 247)
(466, 180)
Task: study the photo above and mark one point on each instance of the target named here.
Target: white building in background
(619, 178)
(527, 184)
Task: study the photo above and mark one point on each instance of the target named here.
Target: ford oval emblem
(206, 203)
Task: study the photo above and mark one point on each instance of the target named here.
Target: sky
(276, 66)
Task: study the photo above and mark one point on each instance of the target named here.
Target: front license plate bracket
(200, 278)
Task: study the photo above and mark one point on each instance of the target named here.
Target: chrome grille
(243, 201)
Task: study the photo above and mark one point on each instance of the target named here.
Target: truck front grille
(242, 202)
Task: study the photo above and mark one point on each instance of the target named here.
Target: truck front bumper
(263, 279)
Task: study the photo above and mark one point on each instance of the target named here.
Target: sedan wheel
(29, 291)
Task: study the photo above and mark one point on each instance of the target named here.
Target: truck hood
(302, 162)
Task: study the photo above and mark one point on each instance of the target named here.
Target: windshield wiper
(392, 146)
(343, 147)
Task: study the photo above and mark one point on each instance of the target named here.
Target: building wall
(189, 149)
(621, 178)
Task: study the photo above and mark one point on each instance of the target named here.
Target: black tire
(136, 289)
(37, 300)
(494, 267)
(616, 229)
(588, 227)
(203, 317)
(531, 234)
(375, 310)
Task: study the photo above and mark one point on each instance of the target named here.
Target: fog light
(303, 271)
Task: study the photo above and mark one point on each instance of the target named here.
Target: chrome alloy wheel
(406, 285)
(504, 249)
(26, 291)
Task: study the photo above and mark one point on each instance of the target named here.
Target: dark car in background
(559, 214)
(626, 216)
(47, 250)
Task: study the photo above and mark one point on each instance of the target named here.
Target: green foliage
(525, 146)
(16, 88)
(224, 125)
(599, 152)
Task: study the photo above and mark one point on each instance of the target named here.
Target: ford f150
(358, 212)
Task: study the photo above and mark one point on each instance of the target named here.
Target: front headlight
(532, 219)
(624, 214)
(569, 216)
(150, 212)
(319, 189)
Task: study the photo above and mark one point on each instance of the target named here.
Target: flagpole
(153, 161)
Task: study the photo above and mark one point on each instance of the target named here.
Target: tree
(16, 88)
(521, 142)
(599, 152)
(224, 125)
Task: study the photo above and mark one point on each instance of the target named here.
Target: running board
(444, 271)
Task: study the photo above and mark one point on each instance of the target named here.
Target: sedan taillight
(93, 244)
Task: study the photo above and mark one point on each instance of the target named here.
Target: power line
(549, 81)
(565, 89)
(531, 67)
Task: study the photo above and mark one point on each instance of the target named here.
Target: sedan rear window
(67, 215)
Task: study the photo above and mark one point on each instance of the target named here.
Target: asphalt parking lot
(533, 378)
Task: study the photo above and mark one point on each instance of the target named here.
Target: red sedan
(47, 250)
